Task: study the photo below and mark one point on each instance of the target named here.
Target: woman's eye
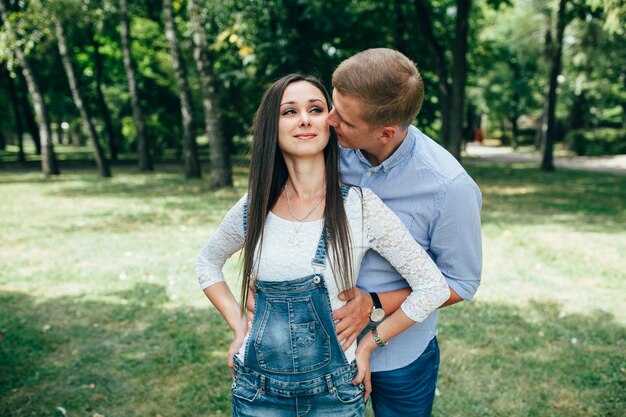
(316, 110)
(288, 112)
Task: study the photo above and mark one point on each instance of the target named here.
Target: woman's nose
(305, 120)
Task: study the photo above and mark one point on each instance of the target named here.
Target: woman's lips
(306, 136)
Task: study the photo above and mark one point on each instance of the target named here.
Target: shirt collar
(395, 158)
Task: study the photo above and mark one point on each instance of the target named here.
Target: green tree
(508, 75)
(143, 144)
(555, 49)
(48, 160)
(87, 121)
(451, 87)
(190, 146)
(221, 174)
(17, 113)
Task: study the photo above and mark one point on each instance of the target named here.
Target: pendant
(295, 240)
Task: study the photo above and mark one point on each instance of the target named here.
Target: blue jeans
(408, 391)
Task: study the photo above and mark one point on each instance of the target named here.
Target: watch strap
(376, 300)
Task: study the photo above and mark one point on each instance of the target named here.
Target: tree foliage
(250, 43)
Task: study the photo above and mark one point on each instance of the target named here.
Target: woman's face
(302, 128)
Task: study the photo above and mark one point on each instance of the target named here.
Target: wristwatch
(377, 314)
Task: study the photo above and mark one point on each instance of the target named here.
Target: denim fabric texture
(408, 391)
(294, 364)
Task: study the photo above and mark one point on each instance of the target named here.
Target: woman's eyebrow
(312, 100)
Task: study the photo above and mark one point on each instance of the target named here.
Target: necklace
(315, 206)
(300, 222)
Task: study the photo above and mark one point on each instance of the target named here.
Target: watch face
(377, 315)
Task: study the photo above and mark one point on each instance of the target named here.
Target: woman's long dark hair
(268, 175)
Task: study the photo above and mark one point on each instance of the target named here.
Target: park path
(614, 164)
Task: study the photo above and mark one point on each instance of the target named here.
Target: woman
(303, 235)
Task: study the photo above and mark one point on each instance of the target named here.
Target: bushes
(593, 142)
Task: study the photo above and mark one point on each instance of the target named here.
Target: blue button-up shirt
(440, 205)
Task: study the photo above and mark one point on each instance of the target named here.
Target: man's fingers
(341, 326)
(341, 312)
(347, 342)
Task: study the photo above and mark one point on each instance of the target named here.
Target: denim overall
(294, 364)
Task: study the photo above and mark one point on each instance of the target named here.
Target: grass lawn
(101, 314)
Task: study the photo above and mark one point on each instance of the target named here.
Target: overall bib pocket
(291, 338)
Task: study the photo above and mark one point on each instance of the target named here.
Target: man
(377, 95)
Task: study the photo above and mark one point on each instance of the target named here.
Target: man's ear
(388, 134)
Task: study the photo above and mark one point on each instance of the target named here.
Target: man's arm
(457, 250)
(355, 315)
(455, 237)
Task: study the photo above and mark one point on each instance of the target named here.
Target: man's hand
(354, 316)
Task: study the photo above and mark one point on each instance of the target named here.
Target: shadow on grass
(133, 356)
(521, 194)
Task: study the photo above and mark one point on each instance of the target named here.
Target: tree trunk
(221, 174)
(103, 164)
(459, 78)
(547, 162)
(468, 130)
(59, 133)
(48, 160)
(579, 111)
(514, 131)
(143, 145)
(399, 27)
(623, 100)
(104, 109)
(76, 136)
(15, 103)
(436, 52)
(190, 147)
(29, 118)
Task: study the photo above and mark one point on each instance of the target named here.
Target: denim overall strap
(319, 260)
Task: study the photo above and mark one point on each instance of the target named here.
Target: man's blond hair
(386, 82)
